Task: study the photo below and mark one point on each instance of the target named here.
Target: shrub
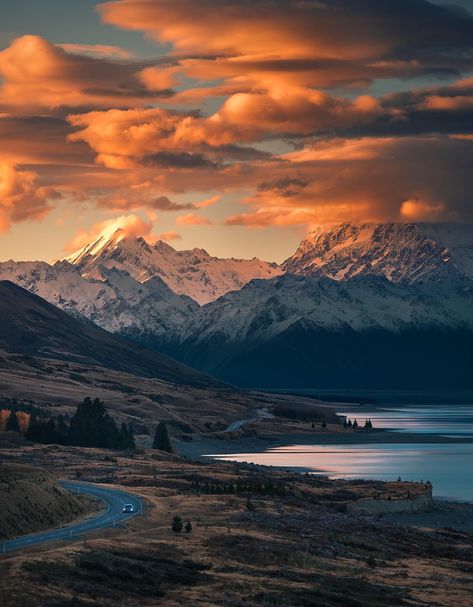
(177, 524)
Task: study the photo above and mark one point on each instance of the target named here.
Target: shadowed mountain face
(297, 331)
(309, 356)
(31, 326)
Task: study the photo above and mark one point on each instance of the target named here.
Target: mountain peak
(193, 273)
(110, 237)
(402, 252)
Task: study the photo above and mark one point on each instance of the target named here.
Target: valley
(236, 303)
(268, 527)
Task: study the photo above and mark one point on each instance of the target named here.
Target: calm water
(448, 466)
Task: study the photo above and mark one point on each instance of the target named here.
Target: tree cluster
(253, 486)
(90, 426)
(354, 424)
(177, 525)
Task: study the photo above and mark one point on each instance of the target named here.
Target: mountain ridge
(31, 326)
(402, 252)
(193, 273)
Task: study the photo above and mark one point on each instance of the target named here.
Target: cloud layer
(303, 112)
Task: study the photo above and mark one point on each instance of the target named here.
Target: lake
(448, 466)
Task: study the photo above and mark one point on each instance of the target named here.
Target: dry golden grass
(281, 539)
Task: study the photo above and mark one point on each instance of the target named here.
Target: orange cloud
(416, 209)
(252, 28)
(458, 102)
(168, 236)
(254, 79)
(192, 220)
(39, 74)
(207, 202)
(129, 225)
(369, 179)
(125, 139)
(21, 197)
(308, 43)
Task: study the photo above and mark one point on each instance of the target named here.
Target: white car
(128, 508)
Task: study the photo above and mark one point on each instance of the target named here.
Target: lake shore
(199, 449)
(444, 514)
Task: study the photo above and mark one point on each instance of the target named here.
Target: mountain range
(356, 305)
(194, 273)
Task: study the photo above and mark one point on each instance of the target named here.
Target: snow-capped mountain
(117, 303)
(194, 273)
(400, 252)
(386, 297)
(263, 309)
(296, 330)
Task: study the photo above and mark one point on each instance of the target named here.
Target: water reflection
(448, 466)
(457, 421)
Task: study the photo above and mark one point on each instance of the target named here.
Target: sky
(233, 125)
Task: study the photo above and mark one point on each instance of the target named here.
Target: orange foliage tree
(22, 417)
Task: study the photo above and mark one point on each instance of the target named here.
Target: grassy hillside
(31, 326)
(32, 500)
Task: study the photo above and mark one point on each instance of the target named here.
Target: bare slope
(31, 326)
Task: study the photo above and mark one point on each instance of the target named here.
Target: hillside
(31, 326)
(31, 500)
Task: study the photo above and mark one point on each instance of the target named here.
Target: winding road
(113, 515)
(239, 423)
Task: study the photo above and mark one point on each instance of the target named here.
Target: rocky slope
(31, 500)
(117, 303)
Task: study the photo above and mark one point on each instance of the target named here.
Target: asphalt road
(113, 515)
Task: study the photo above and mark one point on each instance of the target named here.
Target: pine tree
(42, 431)
(12, 423)
(188, 527)
(131, 437)
(177, 524)
(355, 424)
(161, 438)
(92, 426)
(32, 432)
